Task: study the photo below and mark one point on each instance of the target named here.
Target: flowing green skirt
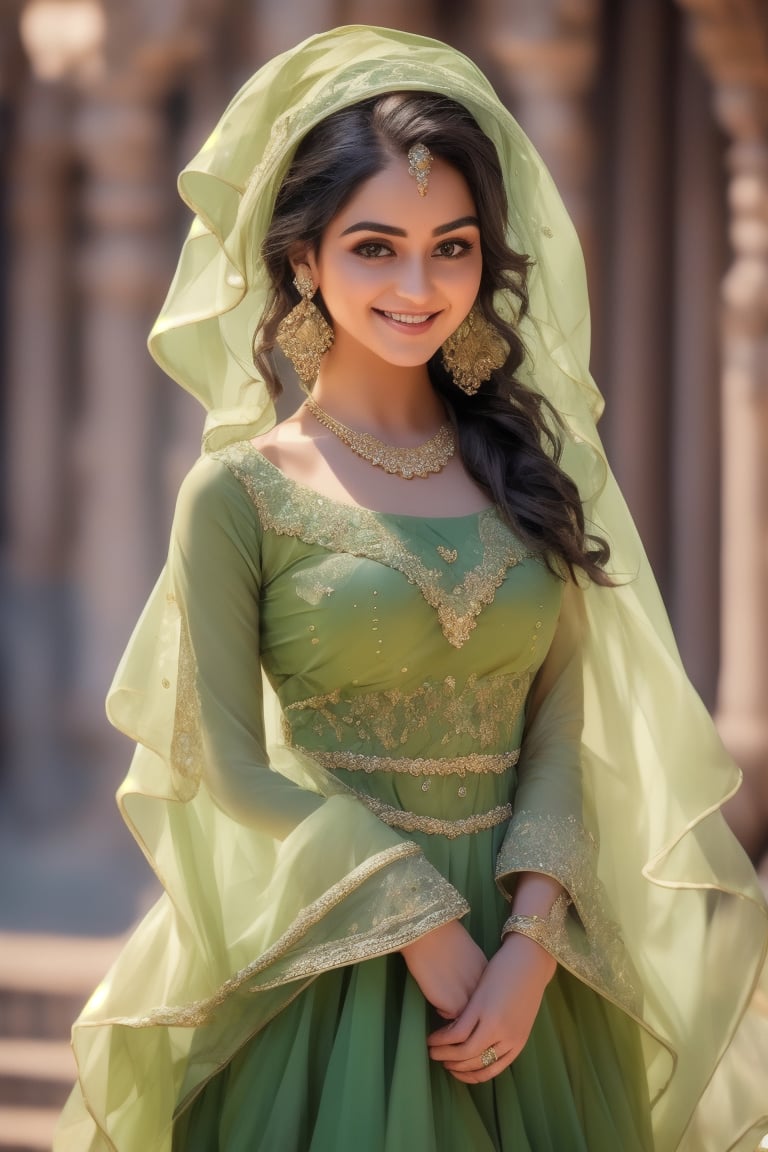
(345, 1066)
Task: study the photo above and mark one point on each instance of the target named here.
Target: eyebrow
(389, 230)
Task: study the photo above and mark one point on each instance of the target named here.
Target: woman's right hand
(447, 966)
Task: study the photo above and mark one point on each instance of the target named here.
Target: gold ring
(488, 1057)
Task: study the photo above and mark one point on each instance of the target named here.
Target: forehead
(392, 197)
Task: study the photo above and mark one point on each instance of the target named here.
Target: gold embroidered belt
(412, 822)
(475, 762)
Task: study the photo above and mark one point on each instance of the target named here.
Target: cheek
(463, 280)
(344, 281)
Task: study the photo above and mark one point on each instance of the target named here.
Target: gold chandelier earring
(473, 352)
(304, 335)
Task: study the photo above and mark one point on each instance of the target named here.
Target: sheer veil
(682, 893)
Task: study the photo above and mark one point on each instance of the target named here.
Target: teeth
(403, 318)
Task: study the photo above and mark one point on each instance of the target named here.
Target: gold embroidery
(589, 943)
(423, 901)
(412, 822)
(545, 930)
(289, 509)
(450, 555)
(475, 762)
(486, 710)
(187, 742)
(312, 584)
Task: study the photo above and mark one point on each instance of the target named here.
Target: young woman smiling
(435, 809)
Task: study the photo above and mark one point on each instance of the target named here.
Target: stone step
(45, 980)
(35, 1073)
(27, 1129)
(38, 1015)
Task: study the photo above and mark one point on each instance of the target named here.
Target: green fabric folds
(277, 875)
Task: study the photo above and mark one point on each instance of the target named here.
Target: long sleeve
(216, 584)
(550, 831)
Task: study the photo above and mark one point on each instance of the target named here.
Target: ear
(301, 254)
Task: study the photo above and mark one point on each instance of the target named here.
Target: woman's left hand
(500, 1012)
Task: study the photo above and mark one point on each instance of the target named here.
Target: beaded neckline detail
(287, 508)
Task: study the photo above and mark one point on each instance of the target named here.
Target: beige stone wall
(651, 115)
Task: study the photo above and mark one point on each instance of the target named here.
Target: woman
(447, 877)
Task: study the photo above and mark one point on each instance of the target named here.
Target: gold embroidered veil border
(654, 772)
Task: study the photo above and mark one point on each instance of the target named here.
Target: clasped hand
(489, 1003)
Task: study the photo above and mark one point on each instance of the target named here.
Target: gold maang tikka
(420, 166)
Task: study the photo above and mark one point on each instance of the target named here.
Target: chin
(404, 359)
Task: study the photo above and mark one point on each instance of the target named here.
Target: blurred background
(652, 115)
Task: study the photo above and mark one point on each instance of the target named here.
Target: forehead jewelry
(420, 166)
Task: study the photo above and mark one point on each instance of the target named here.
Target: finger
(481, 1075)
(468, 1049)
(475, 1063)
(457, 1031)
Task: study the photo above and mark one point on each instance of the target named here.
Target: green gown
(402, 650)
(327, 706)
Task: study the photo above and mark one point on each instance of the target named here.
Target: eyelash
(375, 249)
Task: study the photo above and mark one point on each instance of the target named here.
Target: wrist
(518, 945)
(540, 932)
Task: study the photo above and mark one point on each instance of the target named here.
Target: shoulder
(214, 492)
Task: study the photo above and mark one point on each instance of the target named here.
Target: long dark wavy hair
(508, 435)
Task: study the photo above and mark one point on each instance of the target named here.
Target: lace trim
(486, 711)
(412, 822)
(475, 763)
(289, 509)
(545, 930)
(186, 742)
(589, 943)
(414, 899)
(371, 80)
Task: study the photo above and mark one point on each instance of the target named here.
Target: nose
(415, 281)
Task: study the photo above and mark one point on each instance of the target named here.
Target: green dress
(403, 651)
(267, 977)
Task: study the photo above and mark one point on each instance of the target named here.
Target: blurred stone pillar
(545, 55)
(637, 245)
(732, 41)
(421, 16)
(123, 274)
(697, 262)
(277, 25)
(35, 450)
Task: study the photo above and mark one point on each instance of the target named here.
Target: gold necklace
(424, 459)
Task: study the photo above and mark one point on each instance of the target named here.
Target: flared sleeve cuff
(580, 932)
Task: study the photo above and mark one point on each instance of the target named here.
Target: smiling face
(398, 272)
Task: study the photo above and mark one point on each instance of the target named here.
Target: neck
(383, 399)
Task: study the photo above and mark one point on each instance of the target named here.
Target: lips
(414, 322)
(409, 317)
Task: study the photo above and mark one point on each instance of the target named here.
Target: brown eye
(373, 249)
(453, 248)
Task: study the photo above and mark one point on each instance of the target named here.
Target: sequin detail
(583, 937)
(432, 825)
(289, 509)
(186, 742)
(421, 898)
(474, 764)
(545, 930)
(486, 710)
(322, 579)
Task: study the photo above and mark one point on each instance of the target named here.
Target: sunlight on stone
(63, 37)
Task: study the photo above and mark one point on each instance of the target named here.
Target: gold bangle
(543, 929)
